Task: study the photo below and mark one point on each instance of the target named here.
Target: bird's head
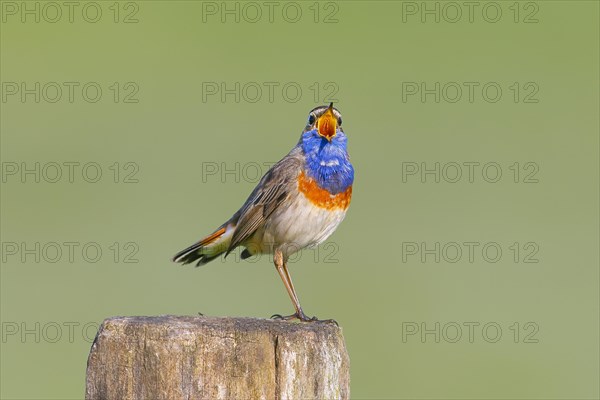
(325, 120)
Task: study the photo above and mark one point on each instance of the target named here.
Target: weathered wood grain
(171, 357)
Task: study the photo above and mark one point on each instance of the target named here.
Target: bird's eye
(311, 119)
(340, 121)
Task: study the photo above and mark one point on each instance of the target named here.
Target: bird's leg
(289, 286)
(281, 267)
(289, 279)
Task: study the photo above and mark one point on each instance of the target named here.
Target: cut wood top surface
(237, 323)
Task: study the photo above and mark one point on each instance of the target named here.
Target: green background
(366, 285)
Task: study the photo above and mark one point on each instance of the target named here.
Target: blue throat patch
(328, 162)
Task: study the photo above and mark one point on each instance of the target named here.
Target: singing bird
(298, 203)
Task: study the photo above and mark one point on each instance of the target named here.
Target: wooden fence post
(170, 357)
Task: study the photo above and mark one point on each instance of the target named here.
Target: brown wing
(272, 190)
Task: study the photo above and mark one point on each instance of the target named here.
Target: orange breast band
(321, 197)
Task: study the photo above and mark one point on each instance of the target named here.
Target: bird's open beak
(327, 124)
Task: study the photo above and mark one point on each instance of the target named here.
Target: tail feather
(206, 249)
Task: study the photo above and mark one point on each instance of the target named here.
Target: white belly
(301, 224)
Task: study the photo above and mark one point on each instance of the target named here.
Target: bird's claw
(329, 321)
(302, 317)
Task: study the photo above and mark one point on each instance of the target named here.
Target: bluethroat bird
(297, 204)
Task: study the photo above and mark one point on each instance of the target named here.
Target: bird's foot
(302, 317)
